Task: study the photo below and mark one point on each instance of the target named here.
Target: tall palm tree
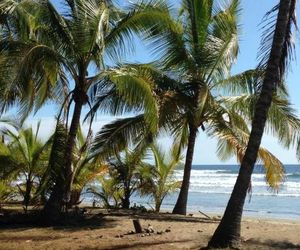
(209, 46)
(58, 48)
(228, 232)
(186, 84)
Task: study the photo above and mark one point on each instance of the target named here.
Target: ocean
(211, 186)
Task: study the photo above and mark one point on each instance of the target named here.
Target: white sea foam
(222, 181)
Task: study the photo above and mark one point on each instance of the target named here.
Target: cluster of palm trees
(63, 57)
(30, 167)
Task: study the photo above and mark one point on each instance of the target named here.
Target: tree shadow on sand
(139, 245)
(72, 222)
(271, 244)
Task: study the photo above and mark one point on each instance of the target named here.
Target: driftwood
(137, 226)
(204, 214)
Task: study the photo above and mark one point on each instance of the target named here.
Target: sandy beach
(175, 232)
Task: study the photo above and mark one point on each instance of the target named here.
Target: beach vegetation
(23, 160)
(125, 170)
(73, 58)
(159, 178)
(107, 194)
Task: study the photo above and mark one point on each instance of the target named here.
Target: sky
(250, 18)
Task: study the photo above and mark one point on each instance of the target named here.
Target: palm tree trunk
(70, 147)
(53, 207)
(75, 197)
(158, 205)
(228, 232)
(126, 200)
(27, 192)
(61, 192)
(180, 206)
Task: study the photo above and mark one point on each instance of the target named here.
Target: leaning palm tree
(277, 49)
(187, 82)
(55, 47)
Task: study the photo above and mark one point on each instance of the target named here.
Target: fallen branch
(205, 215)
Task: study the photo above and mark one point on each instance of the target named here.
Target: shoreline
(259, 215)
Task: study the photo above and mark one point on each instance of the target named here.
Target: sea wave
(222, 181)
(293, 176)
(216, 192)
(214, 173)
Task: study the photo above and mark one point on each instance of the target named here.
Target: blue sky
(251, 16)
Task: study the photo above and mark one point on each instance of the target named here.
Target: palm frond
(232, 140)
(144, 17)
(269, 24)
(223, 40)
(199, 16)
(115, 136)
(136, 88)
(243, 83)
(282, 120)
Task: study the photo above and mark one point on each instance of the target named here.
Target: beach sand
(109, 232)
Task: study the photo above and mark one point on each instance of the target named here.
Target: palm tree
(56, 47)
(122, 176)
(186, 84)
(206, 56)
(86, 169)
(108, 192)
(24, 156)
(7, 191)
(125, 170)
(159, 179)
(228, 232)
